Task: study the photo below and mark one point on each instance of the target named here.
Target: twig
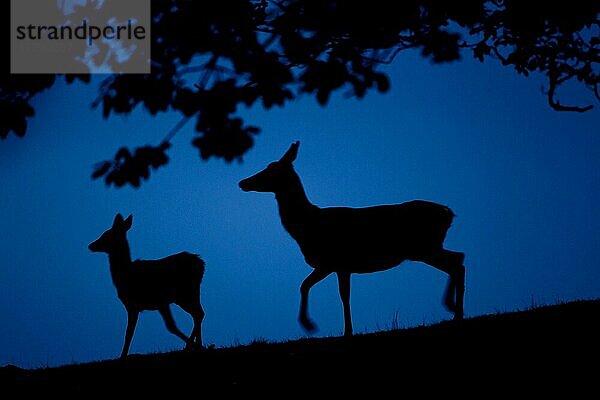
(100, 97)
(209, 68)
(182, 122)
(389, 59)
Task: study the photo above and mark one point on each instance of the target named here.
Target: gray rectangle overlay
(80, 36)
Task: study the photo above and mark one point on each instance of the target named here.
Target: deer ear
(118, 220)
(291, 154)
(127, 223)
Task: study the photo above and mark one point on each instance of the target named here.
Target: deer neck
(119, 259)
(294, 206)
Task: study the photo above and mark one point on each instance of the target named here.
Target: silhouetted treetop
(209, 57)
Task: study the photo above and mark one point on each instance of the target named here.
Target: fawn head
(114, 236)
(275, 176)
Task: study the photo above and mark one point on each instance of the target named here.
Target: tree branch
(555, 104)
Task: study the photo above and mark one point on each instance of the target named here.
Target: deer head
(114, 236)
(275, 176)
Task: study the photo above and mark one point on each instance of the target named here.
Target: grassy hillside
(553, 350)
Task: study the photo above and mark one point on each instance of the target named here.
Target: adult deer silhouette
(359, 240)
(153, 284)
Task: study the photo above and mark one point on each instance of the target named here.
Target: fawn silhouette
(153, 284)
(359, 240)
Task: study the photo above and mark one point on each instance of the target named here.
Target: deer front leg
(132, 318)
(315, 277)
(344, 286)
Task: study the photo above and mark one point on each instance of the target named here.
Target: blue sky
(522, 179)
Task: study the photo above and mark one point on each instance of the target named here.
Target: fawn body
(153, 284)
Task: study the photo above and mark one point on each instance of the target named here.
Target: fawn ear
(127, 223)
(291, 154)
(118, 220)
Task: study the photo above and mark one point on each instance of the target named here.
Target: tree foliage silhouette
(209, 57)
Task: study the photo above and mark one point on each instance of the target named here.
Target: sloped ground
(551, 350)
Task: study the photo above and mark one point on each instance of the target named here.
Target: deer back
(151, 284)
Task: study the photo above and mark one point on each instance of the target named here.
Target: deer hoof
(308, 325)
(191, 346)
(450, 304)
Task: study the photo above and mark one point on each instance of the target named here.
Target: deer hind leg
(165, 312)
(344, 286)
(449, 298)
(451, 262)
(456, 259)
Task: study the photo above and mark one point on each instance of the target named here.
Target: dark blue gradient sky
(522, 179)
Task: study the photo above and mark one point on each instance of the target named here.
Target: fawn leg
(197, 331)
(132, 318)
(197, 312)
